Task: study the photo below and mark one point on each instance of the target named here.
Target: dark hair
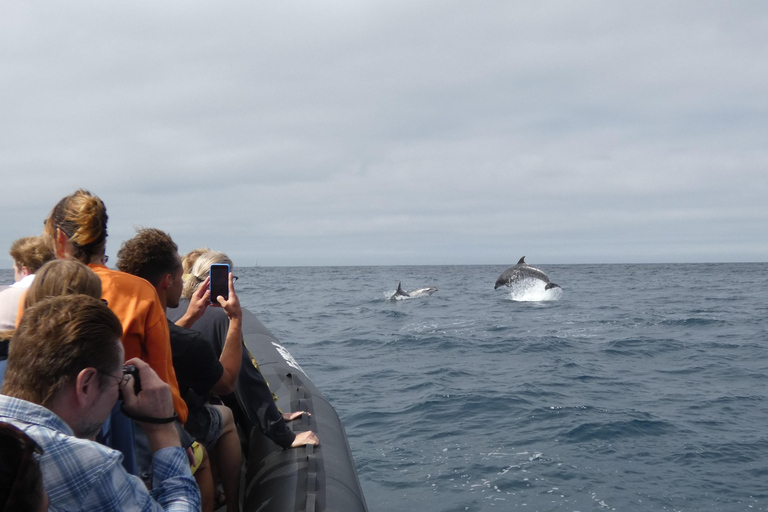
(58, 338)
(150, 254)
(31, 252)
(83, 218)
(21, 484)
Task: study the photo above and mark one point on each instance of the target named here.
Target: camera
(129, 369)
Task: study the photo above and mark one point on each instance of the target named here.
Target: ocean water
(635, 387)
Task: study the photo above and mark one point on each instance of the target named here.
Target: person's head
(153, 255)
(63, 277)
(66, 355)
(201, 269)
(29, 254)
(190, 258)
(77, 227)
(21, 483)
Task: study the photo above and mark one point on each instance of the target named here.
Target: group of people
(121, 388)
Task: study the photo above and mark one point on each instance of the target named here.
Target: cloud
(377, 132)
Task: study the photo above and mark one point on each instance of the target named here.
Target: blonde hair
(190, 258)
(83, 218)
(201, 269)
(63, 277)
(31, 252)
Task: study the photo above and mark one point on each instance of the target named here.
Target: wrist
(161, 436)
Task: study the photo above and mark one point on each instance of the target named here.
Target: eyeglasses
(122, 381)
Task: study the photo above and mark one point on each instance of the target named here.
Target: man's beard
(88, 429)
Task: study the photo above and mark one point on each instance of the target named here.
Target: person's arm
(197, 305)
(112, 489)
(232, 352)
(173, 487)
(157, 344)
(154, 401)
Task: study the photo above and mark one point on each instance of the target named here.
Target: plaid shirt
(79, 474)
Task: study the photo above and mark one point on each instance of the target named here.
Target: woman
(77, 229)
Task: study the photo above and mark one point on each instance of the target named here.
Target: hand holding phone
(219, 284)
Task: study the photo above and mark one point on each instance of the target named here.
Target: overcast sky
(395, 132)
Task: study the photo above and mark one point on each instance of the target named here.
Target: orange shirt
(145, 330)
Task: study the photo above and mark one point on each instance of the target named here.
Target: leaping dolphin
(421, 292)
(521, 271)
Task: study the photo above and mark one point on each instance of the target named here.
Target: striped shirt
(79, 474)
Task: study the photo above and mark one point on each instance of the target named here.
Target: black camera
(129, 369)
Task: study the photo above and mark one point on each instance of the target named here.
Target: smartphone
(219, 284)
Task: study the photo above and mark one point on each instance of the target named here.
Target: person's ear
(166, 281)
(60, 242)
(87, 386)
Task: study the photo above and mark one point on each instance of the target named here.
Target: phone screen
(219, 273)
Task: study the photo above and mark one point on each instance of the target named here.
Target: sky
(395, 132)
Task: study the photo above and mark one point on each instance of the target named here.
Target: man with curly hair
(153, 255)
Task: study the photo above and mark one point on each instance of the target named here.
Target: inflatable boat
(306, 479)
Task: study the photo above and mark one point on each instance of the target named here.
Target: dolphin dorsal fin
(399, 288)
(522, 260)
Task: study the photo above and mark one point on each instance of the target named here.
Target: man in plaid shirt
(63, 377)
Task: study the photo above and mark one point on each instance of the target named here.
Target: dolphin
(421, 292)
(522, 271)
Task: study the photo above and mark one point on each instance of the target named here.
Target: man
(153, 255)
(65, 370)
(29, 254)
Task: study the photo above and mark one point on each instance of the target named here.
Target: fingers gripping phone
(219, 284)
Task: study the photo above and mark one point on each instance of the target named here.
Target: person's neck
(163, 298)
(96, 259)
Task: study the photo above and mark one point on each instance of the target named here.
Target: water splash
(532, 290)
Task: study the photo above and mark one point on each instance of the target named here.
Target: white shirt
(9, 302)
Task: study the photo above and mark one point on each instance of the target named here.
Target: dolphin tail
(551, 285)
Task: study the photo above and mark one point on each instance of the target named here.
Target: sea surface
(634, 387)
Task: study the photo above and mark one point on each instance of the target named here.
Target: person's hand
(290, 416)
(199, 301)
(231, 306)
(191, 456)
(305, 438)
(154, 400)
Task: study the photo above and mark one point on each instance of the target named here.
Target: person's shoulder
(214, 314)
(74, 469)
(116, 278)
(182, 332)
(10, 292)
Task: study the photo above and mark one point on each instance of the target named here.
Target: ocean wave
(613, 430)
